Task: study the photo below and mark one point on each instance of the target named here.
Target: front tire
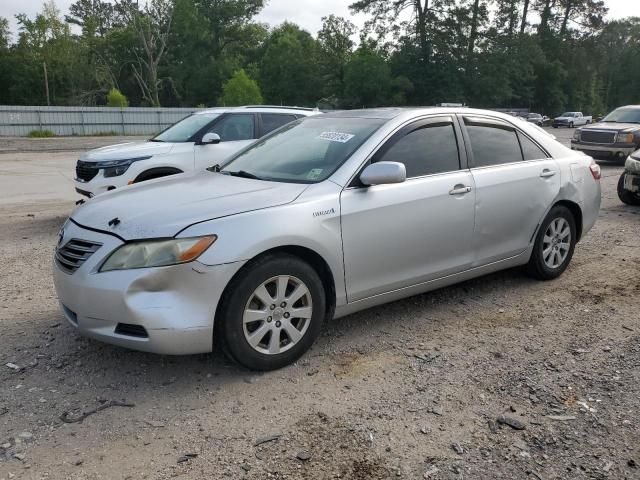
(554, 246)
(272, 313)
(571, 125)
(630, 198)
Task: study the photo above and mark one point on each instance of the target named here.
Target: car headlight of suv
(624, 137)
(576, 134)
(115, 168)
(157, 253)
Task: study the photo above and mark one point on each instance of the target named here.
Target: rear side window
(272, 121)
(235, 127)
(427, 150)
(530, 150)
(493, 144)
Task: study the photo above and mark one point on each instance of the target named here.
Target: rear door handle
(547, 173)
(460, 190)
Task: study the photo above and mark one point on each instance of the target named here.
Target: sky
(306, 13)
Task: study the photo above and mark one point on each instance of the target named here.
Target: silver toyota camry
(324, 217)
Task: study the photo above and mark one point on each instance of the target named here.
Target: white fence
(19, 121)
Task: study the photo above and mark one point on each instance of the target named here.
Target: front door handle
(460, 190)
(547, 173)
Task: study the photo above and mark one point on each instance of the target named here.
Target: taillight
(595, 170)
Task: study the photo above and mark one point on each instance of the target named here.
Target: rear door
(403, 234)
(236, 131)
(516, 182)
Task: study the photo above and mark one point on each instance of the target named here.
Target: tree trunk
(544, 18)
(474, 28)
(523, 25)
(421, 14)
(565, 18)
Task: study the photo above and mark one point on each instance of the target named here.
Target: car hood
(123, 151)
(614, 127)
(161, 208)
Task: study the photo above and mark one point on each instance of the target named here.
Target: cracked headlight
(157, 253)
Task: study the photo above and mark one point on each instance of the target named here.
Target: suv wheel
(273, 313)
(554, 245)
(630, 198)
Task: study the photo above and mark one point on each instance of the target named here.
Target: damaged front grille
(74, 253)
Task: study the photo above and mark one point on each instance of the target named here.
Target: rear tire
(554, 245)
(261, 303)
(630, 198)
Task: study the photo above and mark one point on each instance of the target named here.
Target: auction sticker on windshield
(336, 136)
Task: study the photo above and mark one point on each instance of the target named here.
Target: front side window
(308, 150)
(186, 128)
(493, 144)
(235, 127)
(273, 121)
(427, 150)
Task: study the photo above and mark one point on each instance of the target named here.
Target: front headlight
(157, 253)
(576, 134)
(624, 137)
(115, 168)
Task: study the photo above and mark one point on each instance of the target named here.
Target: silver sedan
(324, 217)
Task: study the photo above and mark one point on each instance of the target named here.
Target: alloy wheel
(556, 243)
(277, 314)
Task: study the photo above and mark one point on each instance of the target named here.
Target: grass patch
(105, 134)
(40, 134)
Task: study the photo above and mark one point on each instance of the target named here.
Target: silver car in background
(324, 217)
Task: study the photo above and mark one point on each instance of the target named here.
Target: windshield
(185, 129)
(624, 115)
(305, 151)
(568, 114)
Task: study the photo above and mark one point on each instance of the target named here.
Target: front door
(399, 235)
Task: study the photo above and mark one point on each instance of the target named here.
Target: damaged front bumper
(165, 310)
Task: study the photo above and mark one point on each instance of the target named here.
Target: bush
(115, 98)
(40, 134)
(241, 90)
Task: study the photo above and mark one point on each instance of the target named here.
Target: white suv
(199, 141)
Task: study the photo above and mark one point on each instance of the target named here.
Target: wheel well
(577, 215)
(156, 173)
(312, 258)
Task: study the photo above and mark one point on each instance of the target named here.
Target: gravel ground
(501, 377)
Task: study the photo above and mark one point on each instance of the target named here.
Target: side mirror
(382, 173)
(210, 139)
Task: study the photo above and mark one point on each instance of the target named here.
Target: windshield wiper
(243, 174)
(214, 168)
(156, 140)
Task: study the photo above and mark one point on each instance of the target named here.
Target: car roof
(406, 113)
(261, 109)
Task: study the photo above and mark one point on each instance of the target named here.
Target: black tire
(554, 126)
(229, 329)
(537, 267)
(571, 125)
(630, 198)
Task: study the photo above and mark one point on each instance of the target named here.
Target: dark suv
(616, 136)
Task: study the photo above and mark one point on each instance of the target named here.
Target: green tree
(289, 73)
(241, 90)
(115, 98)
(336, 48)
(367, 78)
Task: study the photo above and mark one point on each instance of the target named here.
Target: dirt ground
(414, 389)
